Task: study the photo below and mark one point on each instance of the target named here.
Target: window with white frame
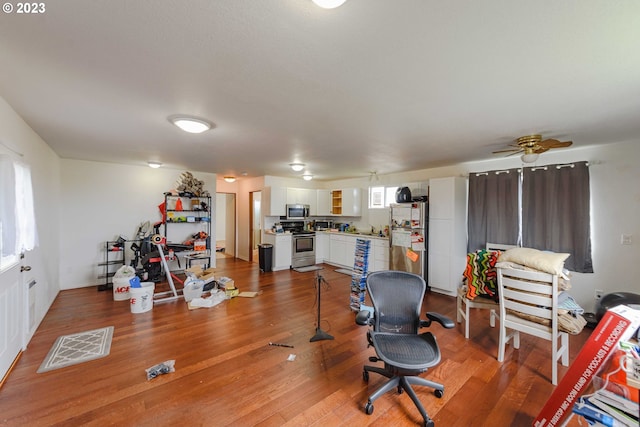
(376, 197)
(17, 219)
(381, 197)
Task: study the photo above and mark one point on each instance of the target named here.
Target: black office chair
(397, 299)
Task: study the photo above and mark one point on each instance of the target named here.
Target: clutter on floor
(160, 369)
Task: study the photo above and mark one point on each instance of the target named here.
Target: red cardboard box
(618, 323)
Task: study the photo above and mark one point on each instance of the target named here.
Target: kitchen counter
(357, 234)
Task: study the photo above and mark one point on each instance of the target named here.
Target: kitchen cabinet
(303, 196)
(342, 249)
(281, 256)
(337, 250)
(379, 258)
(274, 200)
(323, 203)
(322, 247)
(447, 233)
(346, 202)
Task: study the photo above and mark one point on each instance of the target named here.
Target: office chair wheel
(438, 393)
(365, 376)
(368, 408)
(429, 423)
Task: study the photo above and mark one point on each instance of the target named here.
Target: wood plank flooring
(227, 374)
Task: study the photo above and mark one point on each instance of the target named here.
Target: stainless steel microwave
(297, 211)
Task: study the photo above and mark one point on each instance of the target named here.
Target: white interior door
(12, 316)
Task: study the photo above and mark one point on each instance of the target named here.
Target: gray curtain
(556, 212)
(493, 208)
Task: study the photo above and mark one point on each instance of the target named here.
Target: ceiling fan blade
(507, 151)
(517, 152)
(540, 149)
(554, 143)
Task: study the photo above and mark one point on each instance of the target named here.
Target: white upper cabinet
(346, 202)
(351, 202)
(303, 196)
(323, 204)
(274, 200)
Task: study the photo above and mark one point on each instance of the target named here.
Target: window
(545, 208)
(17, 219)
(376, 197)
(381, 197)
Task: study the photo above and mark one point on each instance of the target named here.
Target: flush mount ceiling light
(154, 165)
(329, 4)
(307, 177)
(529, 156)
(191, 124)
(297, 166)
(230, 178)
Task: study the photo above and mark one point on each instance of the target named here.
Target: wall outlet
(626, 239)
(598, 294)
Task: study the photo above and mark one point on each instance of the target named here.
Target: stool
(189, 259)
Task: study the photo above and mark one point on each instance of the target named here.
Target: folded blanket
(480, 274)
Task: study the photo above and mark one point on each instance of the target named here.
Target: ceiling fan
(531, 146)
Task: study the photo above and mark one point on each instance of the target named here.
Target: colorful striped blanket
(480, 274)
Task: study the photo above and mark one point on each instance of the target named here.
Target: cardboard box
(618, 323)
(207, 275)
(232, 292)
(226, 283)
(200, 245)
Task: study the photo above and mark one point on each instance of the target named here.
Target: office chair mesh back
(397, 308)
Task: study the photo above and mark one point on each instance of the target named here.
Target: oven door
(303, 250)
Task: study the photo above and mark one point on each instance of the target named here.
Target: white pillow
(549, 262)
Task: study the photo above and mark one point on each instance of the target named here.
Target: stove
(303, 244)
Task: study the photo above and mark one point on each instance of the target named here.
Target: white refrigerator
(408, 237)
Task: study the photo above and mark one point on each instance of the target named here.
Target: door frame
(252, 217)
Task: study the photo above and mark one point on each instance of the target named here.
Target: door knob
(25, 268)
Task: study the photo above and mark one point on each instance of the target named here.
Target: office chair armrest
(363, 317)
(437, 317)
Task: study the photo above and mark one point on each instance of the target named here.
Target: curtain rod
(565, 165)
(496, 172)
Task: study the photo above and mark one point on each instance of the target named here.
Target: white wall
(101, 201)
(45, 169)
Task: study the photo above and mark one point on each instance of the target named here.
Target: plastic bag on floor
(160, 369)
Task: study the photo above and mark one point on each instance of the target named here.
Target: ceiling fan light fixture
(297, 166)
(329, 4)
(530, 157)
(230, 179)
(191, 124)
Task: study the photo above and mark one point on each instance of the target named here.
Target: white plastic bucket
(121, 288)
(142, 298)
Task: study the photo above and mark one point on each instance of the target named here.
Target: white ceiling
(375, 85)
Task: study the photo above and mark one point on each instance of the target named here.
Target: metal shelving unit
(114, 258)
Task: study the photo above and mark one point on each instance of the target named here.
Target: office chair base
(401, 383)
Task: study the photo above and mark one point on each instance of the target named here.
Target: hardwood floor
(227, 374)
